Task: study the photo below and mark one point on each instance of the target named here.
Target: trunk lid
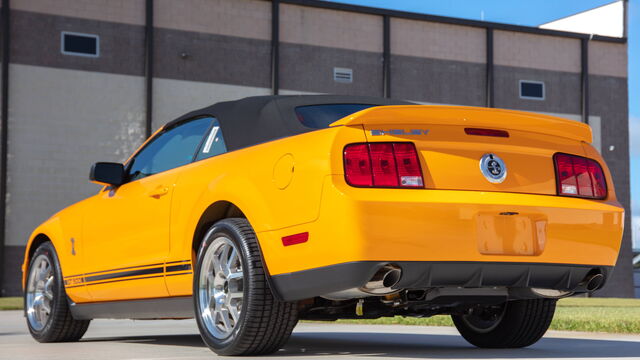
(451, 158)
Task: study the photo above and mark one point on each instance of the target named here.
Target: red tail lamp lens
(357, 165)
(598, 180)
(409, 170)
(383, 165)
(579, 176)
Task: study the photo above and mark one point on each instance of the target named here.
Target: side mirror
(107, 173)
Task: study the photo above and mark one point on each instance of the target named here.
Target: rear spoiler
(469, 116)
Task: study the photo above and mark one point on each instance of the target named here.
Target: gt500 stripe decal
(131, 273)
(122, 274)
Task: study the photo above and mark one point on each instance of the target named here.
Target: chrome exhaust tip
(593, 282)
(551, 293)
(383, 280)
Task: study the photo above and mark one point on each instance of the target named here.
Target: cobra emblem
(493, 168)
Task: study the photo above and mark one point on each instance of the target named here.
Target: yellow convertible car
(252, 214)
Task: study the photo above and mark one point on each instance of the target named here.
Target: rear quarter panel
(276, 185)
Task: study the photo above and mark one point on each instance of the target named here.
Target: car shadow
(167, 340)
(448, 346)
(413, 346)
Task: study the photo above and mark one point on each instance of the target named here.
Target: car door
(127, 230)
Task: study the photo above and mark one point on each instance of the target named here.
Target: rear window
(321, 116)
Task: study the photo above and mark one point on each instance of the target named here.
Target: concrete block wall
(438, 63)
(608, 97)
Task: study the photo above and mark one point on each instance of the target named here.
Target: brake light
(383, 165)
(409, 170)
(392, 165)
(357, 165)
(486, 132)
(579, 176)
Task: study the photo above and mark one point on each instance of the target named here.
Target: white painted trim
(212, 135)
(73, 53)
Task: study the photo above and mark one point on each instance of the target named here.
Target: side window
(170, 149)
(214, 143)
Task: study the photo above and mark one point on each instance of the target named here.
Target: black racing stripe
(178, 268)
(179, 261)
(140, 278)
(156, 270)
(102, 276)
(185, 273)
(119, 280)
(104, 271)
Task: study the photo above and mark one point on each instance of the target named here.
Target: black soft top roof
(257, 119)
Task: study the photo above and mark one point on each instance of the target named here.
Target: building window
(342, 75)
(79, 44)
(533, 90)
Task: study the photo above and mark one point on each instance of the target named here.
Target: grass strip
(572, 314)
(10, 303)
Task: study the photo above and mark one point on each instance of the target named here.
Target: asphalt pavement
(179, 339)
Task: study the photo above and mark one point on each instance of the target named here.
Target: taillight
(409, 171)
(393, 165)
(579, 176)
(383, 165)
(357, 165)
(486, 132)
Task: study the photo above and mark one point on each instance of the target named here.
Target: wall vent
(79, 44)
(342, 75)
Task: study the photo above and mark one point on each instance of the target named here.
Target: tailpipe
(383, 280)
(592, 282)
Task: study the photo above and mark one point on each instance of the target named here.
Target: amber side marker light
(486, 132)
(382, 165)
(295, 239)
(578, 176)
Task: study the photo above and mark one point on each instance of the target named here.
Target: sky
(535, 13)
(634, 114)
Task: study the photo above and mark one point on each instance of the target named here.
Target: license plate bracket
(511, 233)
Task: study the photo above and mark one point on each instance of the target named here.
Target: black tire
(265, 323)
(60, 325)
(518, 324)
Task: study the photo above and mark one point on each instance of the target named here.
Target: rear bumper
(444, 238)
(356, 224)
(423, 275)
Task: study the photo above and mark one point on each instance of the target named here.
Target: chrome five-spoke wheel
(220, 288)
(46, 306)
(39, 294)
(236, 312)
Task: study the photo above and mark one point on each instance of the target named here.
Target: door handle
(158, 192)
